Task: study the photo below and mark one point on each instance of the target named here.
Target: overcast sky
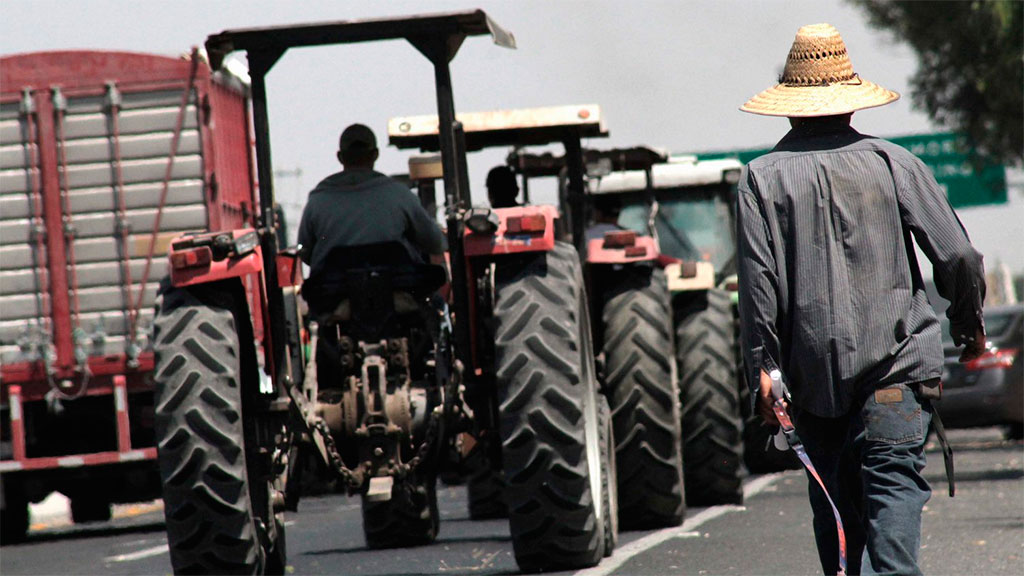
(669, 74)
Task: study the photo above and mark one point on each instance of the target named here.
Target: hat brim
(810, 101)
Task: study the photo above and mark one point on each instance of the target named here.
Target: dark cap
(502, 177)
(357, 137)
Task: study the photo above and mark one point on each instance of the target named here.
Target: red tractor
(625, 287)
(383, 374)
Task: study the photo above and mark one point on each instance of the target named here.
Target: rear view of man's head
(607, 209)
(502, 187)
(357, 148)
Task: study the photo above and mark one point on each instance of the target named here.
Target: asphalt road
(981, 531)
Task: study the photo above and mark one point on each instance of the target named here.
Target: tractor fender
(205, 269)
(511, 237)
(642, 249)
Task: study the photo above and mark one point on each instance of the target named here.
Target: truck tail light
(619, 239)
(994, 358)
(636, 251)
(530, 224)
(191, 258)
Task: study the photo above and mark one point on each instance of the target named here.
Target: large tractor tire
(14, 515)
(548, 405)
(609, 481)
(485, 488)
(712, 433)
(217, 512)
(642, 390)
(409, 518)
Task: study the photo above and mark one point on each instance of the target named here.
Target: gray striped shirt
(830, 288)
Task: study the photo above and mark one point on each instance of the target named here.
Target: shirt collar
(818, 133)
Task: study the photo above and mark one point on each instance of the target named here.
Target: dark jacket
(830, 288)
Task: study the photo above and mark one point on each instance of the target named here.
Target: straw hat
(818, 80)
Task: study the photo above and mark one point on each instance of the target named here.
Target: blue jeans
(871, 461)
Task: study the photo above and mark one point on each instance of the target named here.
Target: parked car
(987, 391)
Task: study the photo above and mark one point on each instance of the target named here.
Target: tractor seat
(360, 274)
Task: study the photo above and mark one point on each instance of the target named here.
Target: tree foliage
(971, 77)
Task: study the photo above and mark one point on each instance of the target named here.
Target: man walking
(832, 296)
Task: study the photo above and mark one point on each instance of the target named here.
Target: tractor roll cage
(517, 128)
(614, 159)
(436, 36)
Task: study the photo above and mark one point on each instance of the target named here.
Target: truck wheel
(486, 486)
(205, 440)
(547, 398)
(409, 518)
(708, 395)
(643, 393)
(14, 515)
(88, 509)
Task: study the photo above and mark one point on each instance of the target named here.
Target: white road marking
(146, 553)
(625, 553)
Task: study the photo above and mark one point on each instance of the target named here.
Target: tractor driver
(606, 217)
(502, 187)
(359, 206)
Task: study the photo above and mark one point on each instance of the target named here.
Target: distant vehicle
(988, 391)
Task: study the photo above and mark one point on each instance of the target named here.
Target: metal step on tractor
(629, 304)
(688, 205)
(384, 373)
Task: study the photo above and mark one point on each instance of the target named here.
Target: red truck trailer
(104, 157)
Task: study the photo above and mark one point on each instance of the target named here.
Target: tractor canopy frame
(567, 125)
(436, 36)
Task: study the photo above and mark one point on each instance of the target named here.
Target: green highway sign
(964, 185)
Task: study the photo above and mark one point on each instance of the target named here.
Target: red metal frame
(60, 303)
(124, 453)
(597, 253)
(289, 270)
(32, 375)
(83, 69)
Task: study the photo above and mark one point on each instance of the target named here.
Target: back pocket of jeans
(893, 416)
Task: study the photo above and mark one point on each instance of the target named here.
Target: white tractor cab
(625, 286)
(689, 206)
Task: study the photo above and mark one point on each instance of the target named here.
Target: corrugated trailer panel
(97, 155)
(22, 254)
(110, 126)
